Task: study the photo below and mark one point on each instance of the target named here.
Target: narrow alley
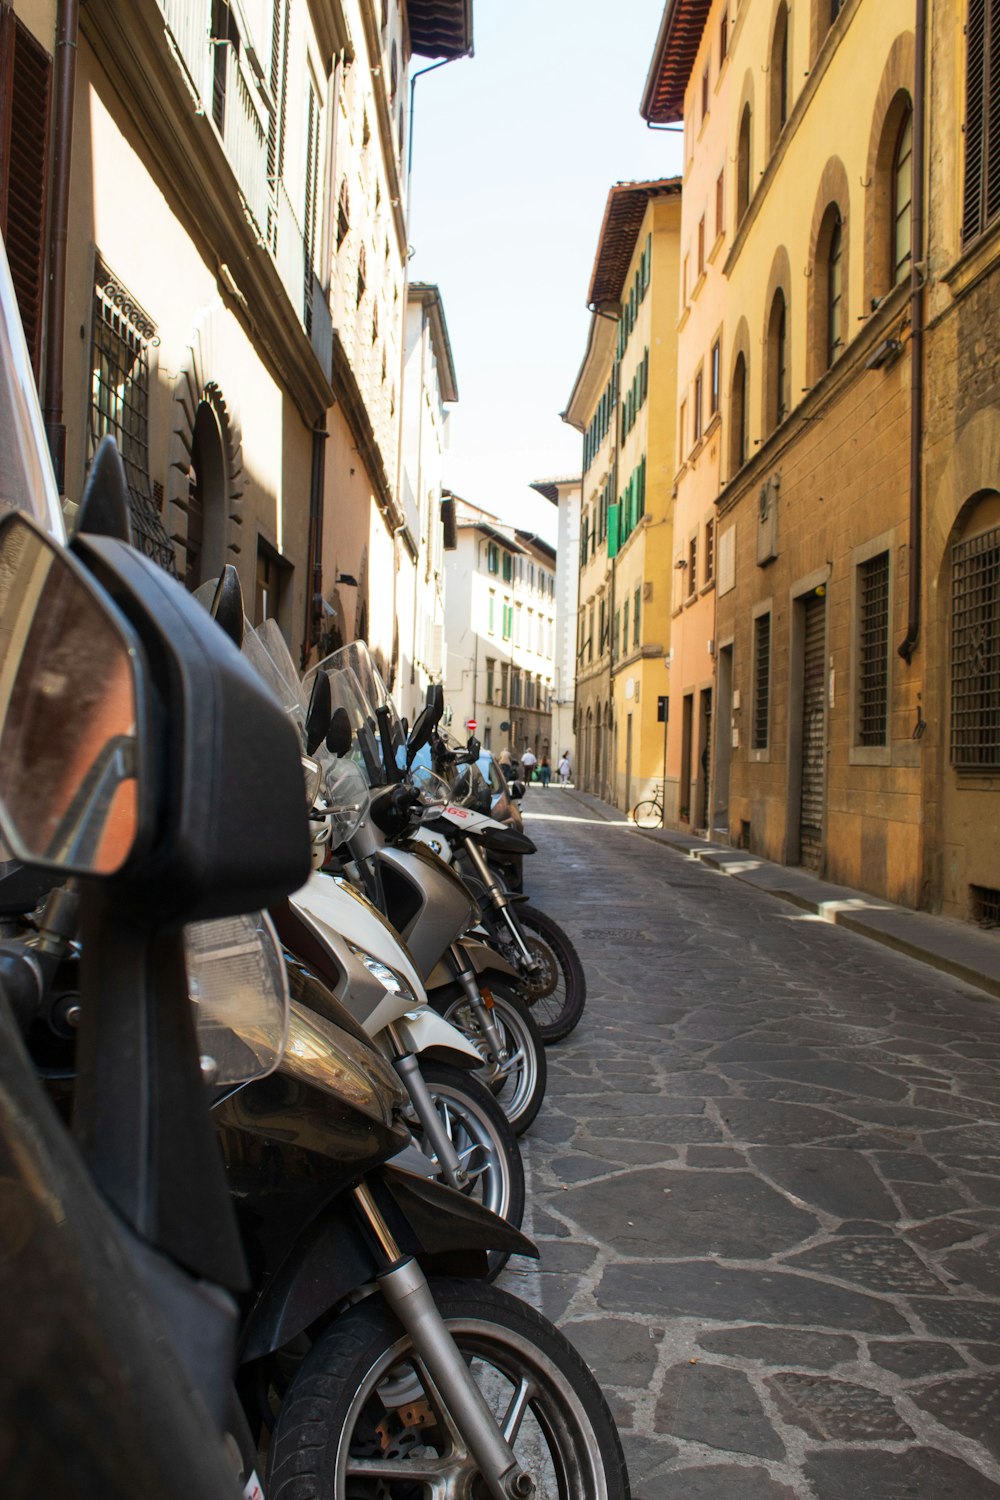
(765, 1185)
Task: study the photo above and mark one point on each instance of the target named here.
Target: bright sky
(514, 153)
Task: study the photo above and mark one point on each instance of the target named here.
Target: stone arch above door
(195, 391)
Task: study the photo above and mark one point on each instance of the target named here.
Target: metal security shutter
(813, 736)
(25, 71)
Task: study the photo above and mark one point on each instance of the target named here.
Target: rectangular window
(492, 558)
(504, 671)
(724, 36)
(701, 245)
(682, 429)
(692, 568)
(699, 381)
(590, 634)
(616, 636)
(975, 652)
(602, 637)
(635, 615)
(508, 621)
(720, 204)
(26, 70)
(491, 614)
(119, 402)
(704, 94)
(713, 390)
(625, 613)
(709, 551)
(873, 650)
(981, 192)
(490, 673)
(508, 567)
(272, 577)
(684, 282)
(761, 681)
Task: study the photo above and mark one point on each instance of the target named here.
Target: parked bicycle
(649, 812)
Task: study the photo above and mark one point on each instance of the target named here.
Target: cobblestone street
(766, 1185)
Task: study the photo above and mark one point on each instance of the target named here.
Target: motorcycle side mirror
(419, 735)
(516, 790)
(473, 747)
(104, 509)
(227, 604)
(340, 735)
(79, 803)
(435, 701)
(318, 714)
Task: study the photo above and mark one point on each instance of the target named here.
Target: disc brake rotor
(543, 981)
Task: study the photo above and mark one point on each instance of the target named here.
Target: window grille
(873, 650)
(709, 551)
(761, 680)
(119, 402)
(975, 653)
(984, 902)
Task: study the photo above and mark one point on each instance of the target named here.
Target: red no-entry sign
(472, 725)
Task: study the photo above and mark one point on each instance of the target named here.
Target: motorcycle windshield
(26, 479)
(357, 658)
(260, 647)
(469, 789)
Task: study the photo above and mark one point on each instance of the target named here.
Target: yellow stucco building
(628, 372)
(813, 758)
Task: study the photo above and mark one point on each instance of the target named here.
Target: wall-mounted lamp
(681, 563)
(349, 579)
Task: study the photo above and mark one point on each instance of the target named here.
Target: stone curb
(955, 948)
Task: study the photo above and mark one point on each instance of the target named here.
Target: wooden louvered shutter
(981, 189)
(25, 75)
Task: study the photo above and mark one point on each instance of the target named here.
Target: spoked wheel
(517, 1080)
(648, 814)
(485, 1142)
(557, 992)
(362, 1421)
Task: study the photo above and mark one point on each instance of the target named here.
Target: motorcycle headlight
(394, 983)
(322, 1054)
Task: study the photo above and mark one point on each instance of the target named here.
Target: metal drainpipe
(314, 556)
(67, 31)
(917, 277)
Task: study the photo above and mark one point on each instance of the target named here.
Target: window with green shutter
(492, 558)
(635, 615)
(508, 567)
(491, 618)
(614, 521)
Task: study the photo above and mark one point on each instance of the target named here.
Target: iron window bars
(975, 652)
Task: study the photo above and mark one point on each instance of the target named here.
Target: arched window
(902, 198)
(738, 416)
(778, 77)
(835, 292)
(776, 389)
(743, 166)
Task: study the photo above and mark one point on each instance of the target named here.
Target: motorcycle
(428, 904)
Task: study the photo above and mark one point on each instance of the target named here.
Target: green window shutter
(614, 517)
(491, 614)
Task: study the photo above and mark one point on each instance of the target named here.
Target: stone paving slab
(765, 1183)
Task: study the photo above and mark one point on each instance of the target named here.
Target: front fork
(404, 1286)
(499, 1057)
(501, 904)
(435, 1133)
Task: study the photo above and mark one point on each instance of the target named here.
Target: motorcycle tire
(556, 999)
(484, 1139)
(360, 1413)
(519, 1087)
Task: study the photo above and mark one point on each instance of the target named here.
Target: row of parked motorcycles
(272, 1023)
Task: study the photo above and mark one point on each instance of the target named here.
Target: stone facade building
(813, 757)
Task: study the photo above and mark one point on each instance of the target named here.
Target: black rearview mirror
(423, 728)
(340, 735)
(76, 802)
(435, 701)
(318, 713)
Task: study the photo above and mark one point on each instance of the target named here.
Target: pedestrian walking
(545, 773)
(564, 768)
(505, 758)
(529, 761)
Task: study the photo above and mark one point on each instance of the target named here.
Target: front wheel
(484, 1140)
(362, 1419)
(516, 1080)
(647, 814)
(557, 992)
